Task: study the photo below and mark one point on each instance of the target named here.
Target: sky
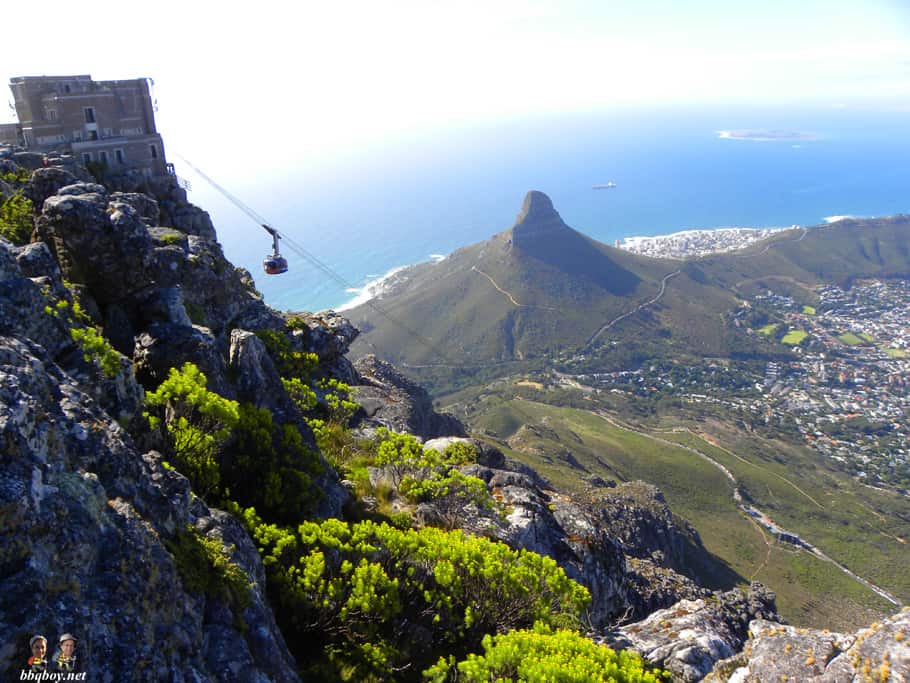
(322, 80)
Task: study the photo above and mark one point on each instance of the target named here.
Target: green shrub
(169, 238)
(545, 656)
(96, 349)
(427, 476)
(289, 363)
(195, 422)
(17, 219)
(204, 566)
(337, 400)
(267, 466)
(357, 594)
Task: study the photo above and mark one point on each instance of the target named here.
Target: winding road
(663, 288)
(754, 514)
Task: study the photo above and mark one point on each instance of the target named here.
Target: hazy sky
(329, 76)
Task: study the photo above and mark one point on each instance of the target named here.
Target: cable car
(274, 263)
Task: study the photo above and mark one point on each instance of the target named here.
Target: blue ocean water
(401, 202)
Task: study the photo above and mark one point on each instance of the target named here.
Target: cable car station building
(107, 122)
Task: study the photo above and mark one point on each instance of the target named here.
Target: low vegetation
(542, 654)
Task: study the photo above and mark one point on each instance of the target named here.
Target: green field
(897, 353)
(794, 337)
(768, 329)
(850, 339)
(809, 310)
(865, 336)
(857, 526)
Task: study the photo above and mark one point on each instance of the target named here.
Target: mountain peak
(536, 205)
(537, 218)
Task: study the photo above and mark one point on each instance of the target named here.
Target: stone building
(9, 134)
(105, 122)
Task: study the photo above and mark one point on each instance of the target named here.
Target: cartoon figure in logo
(37, 662)
(64, 658)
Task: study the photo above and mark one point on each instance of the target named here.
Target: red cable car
(274, 263)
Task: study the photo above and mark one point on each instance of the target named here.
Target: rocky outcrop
(776, 653)
(688, 638)
(389, 399)
(578, 536)
(86, 521)
(45, 182)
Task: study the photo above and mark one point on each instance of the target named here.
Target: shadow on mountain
(540, 232)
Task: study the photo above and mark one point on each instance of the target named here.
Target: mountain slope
(535, 289)
(540, 291)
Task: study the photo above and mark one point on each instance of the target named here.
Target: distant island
(760, 135)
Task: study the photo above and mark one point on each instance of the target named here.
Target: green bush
(289, 363)
(195, 422)
(267, 466)
(542, 655)
(17, 219)
(95, 348)
(427, 476)
(204, 566)
(372, 599)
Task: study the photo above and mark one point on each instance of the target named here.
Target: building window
(67, 88)
(51, 114)
(87, 158)
(89, 114)
(118, 154)
(154, 151)
(102, 157)
(93, 135)
(77, 135)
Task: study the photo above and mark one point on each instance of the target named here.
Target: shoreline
(698, 242)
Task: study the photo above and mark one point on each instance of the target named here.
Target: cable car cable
(314, 261)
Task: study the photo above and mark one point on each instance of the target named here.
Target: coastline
(700, 242)
(378, 286)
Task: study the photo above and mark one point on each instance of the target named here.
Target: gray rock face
(143, 204)
(257, 380)
(775, 653)
(106, 248)
(45, 182)
(84, 521)
(391, 400)
(167, 345)
(688, 638)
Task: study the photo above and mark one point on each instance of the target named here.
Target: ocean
(412, 199)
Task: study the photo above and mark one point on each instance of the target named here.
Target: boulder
(104, 247)
(45, 182)
(167, 345)
(143, 204)
(775, 652)
(690, 637)
(389, 399)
